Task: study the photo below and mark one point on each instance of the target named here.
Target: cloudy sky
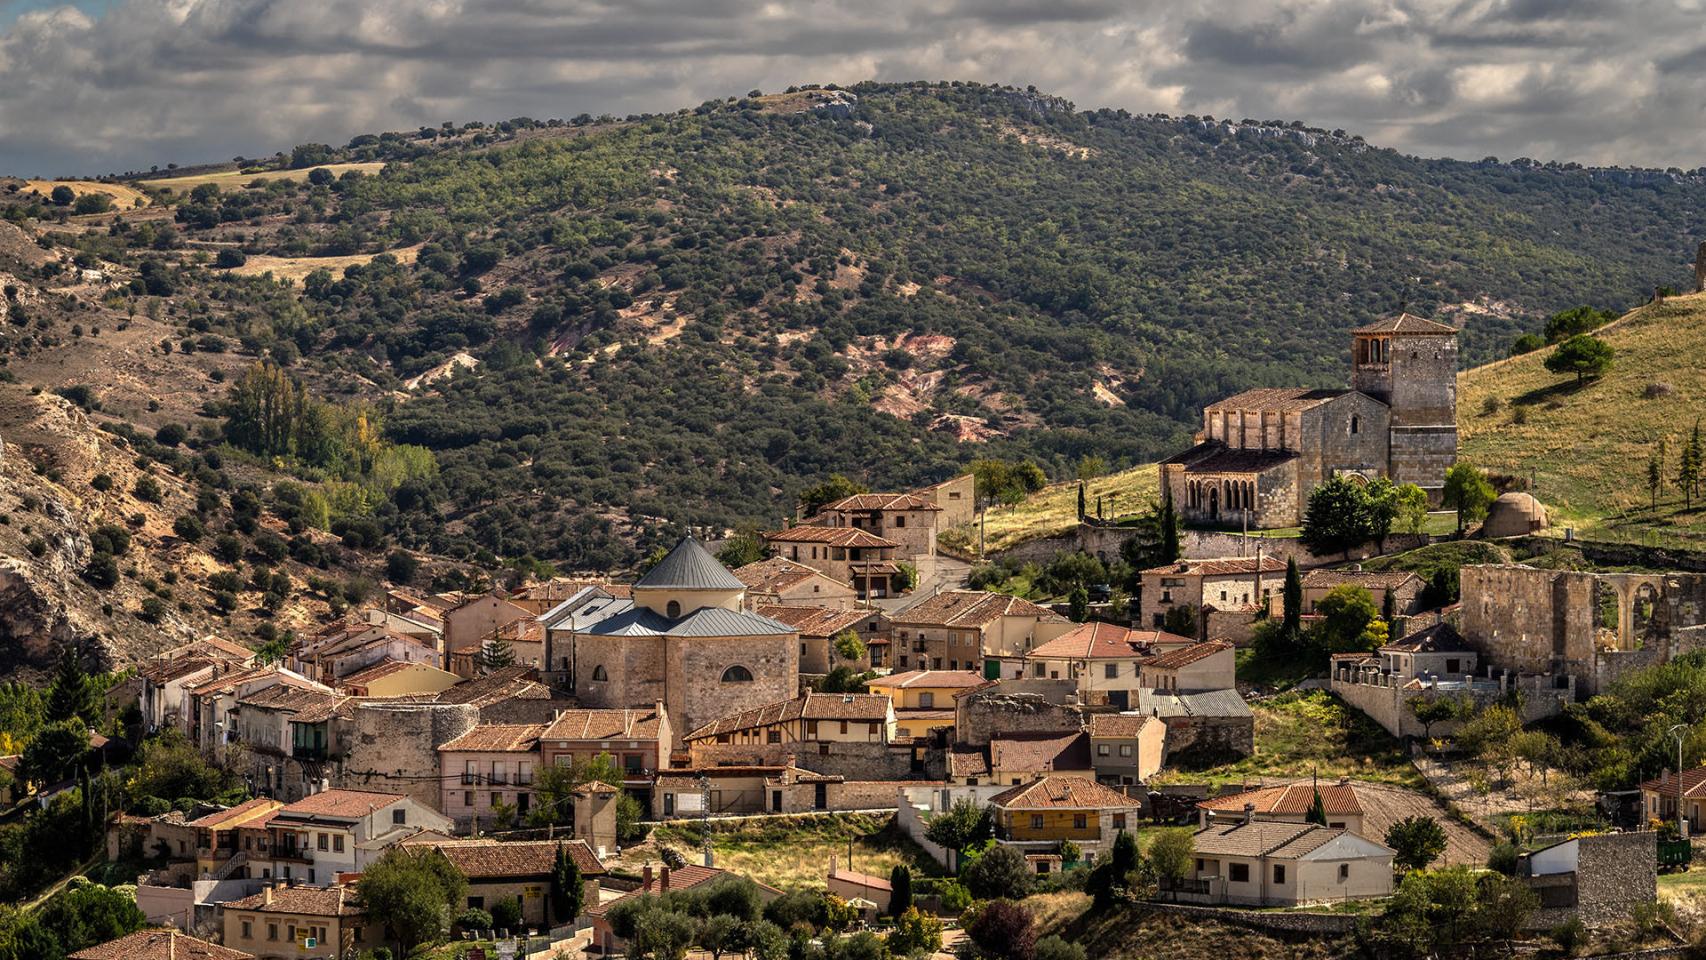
(102, 85)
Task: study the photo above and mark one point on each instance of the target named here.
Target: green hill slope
(1586, 449)
(685, 318)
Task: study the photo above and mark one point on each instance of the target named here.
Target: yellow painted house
(397, 678)
(924, 699)
(1051, 809)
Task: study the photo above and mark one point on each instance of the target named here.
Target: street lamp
(1676, 732)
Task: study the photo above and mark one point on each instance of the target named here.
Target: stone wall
(1210, 735)
(1387, 702)
(855, 761)
(393, 747)
(686, 675)
(1016, 706)
(1615, 873)
(1209, 544)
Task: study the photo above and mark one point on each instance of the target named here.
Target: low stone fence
(1277, 921)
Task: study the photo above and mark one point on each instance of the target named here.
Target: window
(900, 521)
(1119, 821)
(338, 843)
(1199, 864)
(926, 700)
(737, 674)
(1110, 670)
(1279, 873)
(1125, 749)
(476, 903)
(272, 931)
(1344, 872)
(1238, 872)
(773, 736)
(1080, 821)
(399, 816)
(1451, 666)
(673, 609)
(321, 841)
(248, 929)
(467, 798)
(599, 674)
(1101, 750)
(843, 728)
(1036, 821)
(1356, 424)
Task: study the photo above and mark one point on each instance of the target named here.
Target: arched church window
(673, 609)
(737, 674)
(1356, 424)
(599, 674)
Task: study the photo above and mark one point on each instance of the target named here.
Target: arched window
(599, 674)
(673, 609)
(1356, 424)
(737, 674)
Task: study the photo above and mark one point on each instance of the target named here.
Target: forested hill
(686, 318)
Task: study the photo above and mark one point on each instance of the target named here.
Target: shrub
(147, 489)
(1054, 948)
(102, 482)
(1003, 929)
(474, 918)
(506, 913)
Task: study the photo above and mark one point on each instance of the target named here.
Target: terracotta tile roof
(834, 536)
(167, 944)
(604, 725)
(681, 878)
(380, 671)
(867, 707)
(165, 671)
(1185, 656)
(1228, 460)
(777, 574)
(813, 621)
(289, 698)
(1222, 566)
(965, 760)
(1382, 579)
(1276, 399)
(562, 588)
(1439, 638)
(930, 679)
(245, 812)
(334, 901)
(340, 804)
(1035, 753)
(1267, 838)
(968, 608)
(882, 501)
(1102, 641)
(231, 680)
(497, 738)
(1292, 799)
(1693, 784)
(518, 682)
(1120, 725)
(1405, 323)
(1074, 793)
(491, 859)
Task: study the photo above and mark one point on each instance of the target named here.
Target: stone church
(1261, 452)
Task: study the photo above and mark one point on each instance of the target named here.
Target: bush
(1002, 872)
(1503, 858)
(1054, 948)
(102, 572)
(506, 913)
(171, 435)
(474, 918)
(1570, 936)
(230, 257)
(147, 489)
(918, 932)
(1003, 929)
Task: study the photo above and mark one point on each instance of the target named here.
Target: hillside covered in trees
(568, 339)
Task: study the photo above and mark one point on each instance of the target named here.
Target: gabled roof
(968, 608)
(1218, 566)
(689, 567)
(1102, 641)
(340, 804)
(1185, 656)
(882, 501)
(1035, 752)
(834, 536)
(495, 859)
(497, 738)
(1120, 725)
(1693, 784)
(562, 588)
(1439, 638)
(1406, 323)
(1229, 460)
(1276, 399)
(510, 683)
(965, 760)
(1274, 839)
(334, 901)
(1290, 800)
(779, 573)
(1063, 793)
(245, 812)
(166, 944)
(604, 725)
(813, 621)
(867, 707)
(930, 679)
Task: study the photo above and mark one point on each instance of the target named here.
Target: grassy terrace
(1053, 510)
(793, 853)
(1298, 734)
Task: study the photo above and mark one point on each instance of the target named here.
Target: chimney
(663, 879)
(1664, 776)
(1249, 812)
(646, 877)
(833, 863)
(266, 895)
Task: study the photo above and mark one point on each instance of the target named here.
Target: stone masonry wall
(393, 747)
(1615, 873)
(1006, 708)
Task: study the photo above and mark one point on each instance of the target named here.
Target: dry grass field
(1053, 510)
(124, 197)
(232, 179)
(1586, 447)
(293, 269)
(794, 853)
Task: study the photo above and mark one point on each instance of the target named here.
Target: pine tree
(73, 694)
(1317, 811)
(1169, 532)
(1688, 467)
(496, 654)
(1292, 600)
(1656, 472)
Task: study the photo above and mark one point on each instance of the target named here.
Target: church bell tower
(1410, 364)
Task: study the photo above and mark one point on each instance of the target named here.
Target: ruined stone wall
(855, 761)
(1016, 706)
(393, 747)
(1210, 735)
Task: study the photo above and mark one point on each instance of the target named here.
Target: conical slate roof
(689, 567)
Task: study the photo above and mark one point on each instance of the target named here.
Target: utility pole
(705, 820)
(1676, 732)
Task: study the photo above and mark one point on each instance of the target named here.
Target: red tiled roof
(663, 880)
(1224, 566)
(604, 725)
(965, 760)
(497, 738)
(968, 608)
(244, 812)
(1119, 724)
(777, 574)
(1693, 784)
(1076, 793)
(167, 944)
(1185, 656)
(335, 901)
(1293, 799)
(340, 803)
(868, 707)
(1102, 641)
(936, 679)
(834, 536)
(812, 621)
(486, 859)
(379, 671)
(1038, 752)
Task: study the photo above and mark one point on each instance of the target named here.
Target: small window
(1238, 872)
(773, 736)
(467, 798)
(248, 930)
(673, 609)
(1036, 821)
(1110, 671)
(272, 931)
(338, 843)
(1101, 749)
(1125, 749)
(1279, 873)
(1356, 424)
(400, 816)
(1119, 821)
(737, 674)
(1080, 821)
(1344, 872)
(599, 674)
(926, 700)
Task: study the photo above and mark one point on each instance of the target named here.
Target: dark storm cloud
(147, 81)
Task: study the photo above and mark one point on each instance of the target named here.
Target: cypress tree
(1292, 599)
(72, 695)
(1080, 500)
(568, 890)
(1169, 532)
(1317, 811)
(900, 890)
